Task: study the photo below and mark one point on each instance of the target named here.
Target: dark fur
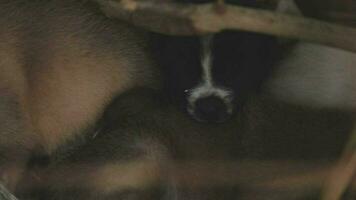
(242, 61)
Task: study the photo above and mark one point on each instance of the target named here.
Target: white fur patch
(206, 60)
(316, 75)
(207, 87)
(205, 90)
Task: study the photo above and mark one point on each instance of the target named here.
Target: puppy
(61, 62)
(147, 138)
(211, 76)
(145, 148)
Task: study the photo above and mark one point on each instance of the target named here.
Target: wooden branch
(170, 18)
(5, 194)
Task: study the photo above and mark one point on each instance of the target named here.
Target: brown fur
(61, 62)
(135, 147)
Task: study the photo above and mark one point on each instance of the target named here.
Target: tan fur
(61, 62)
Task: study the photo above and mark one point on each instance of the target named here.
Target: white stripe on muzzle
(207, 87)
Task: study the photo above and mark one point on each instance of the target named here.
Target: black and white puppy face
(211, 75)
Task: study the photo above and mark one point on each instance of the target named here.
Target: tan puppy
(61, 62)
(142, 146)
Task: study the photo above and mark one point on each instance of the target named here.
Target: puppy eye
(186, 91)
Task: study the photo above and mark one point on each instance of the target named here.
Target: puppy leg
(15, 143)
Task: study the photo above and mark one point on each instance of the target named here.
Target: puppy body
(136, 148)
(153, 151)
(61, 62)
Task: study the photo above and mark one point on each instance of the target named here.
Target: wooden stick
(176, 19)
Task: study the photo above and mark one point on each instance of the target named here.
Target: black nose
(211, 109)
